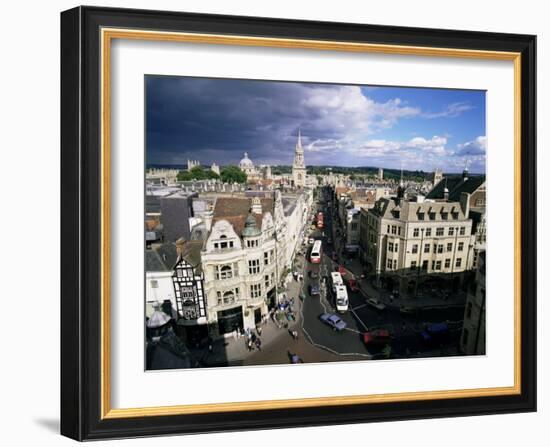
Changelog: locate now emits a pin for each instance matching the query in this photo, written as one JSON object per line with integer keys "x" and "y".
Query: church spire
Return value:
{"x": 299, "y": 143}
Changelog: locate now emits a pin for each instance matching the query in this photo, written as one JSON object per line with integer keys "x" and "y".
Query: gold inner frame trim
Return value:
{"x": 107, "y": 35}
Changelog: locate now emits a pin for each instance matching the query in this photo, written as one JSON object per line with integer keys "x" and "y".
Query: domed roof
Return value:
{"x": 250, "y": 228}
{"x": 246, "y": 162}
{"x": 158, "y": 318}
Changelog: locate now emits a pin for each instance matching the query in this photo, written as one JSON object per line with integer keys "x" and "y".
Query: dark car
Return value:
{"x": 314, "y": 289}
{"x": 313, "y": 274}
{"x": 435, "y": 334}
{"x": 377, "y": 337}
{"x": 334, "y": 321}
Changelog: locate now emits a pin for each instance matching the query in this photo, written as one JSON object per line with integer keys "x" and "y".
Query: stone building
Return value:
{"x": 405, "y": 241}
{"x": 242, "y": 261}
{"x": 472, "y": 339}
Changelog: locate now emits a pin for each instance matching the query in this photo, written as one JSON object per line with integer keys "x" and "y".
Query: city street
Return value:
{"x": 405, "y": 328}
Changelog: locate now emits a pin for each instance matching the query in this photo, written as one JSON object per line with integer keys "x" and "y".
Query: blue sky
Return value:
{"x": 217, "y": 120}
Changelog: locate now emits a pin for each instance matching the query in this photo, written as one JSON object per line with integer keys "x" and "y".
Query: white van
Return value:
{"x": 342, "y": 302}
{"x": 336, "y": 280}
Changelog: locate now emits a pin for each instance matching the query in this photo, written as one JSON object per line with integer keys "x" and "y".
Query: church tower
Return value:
{"x": 299, "y": 167}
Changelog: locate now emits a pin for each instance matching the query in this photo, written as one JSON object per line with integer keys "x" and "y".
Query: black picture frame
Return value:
{"x": 81, "y": 387}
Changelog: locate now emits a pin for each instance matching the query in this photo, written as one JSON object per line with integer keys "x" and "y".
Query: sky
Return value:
{"x": 218, "y": 120}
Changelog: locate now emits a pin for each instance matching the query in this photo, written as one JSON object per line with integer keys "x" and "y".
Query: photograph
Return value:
{"x": 299, "y": 222}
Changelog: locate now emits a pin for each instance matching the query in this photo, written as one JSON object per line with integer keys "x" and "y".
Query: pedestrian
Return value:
{"x": 259, "y": 344}
{"x": 259, "y": 330}
{"x": 250, "y": 346}
{"x": 295, "y": 335}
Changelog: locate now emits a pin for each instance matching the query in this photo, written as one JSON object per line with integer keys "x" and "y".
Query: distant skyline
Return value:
{"x": 217, "y": 120}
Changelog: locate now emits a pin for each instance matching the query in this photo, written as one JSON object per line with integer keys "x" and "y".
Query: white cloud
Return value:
{"x": 451, "y": 111}
{"x": 417, "y": 146}
{"x": 474, "y": 147}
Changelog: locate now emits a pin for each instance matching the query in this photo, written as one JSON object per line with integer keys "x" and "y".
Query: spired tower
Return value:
{"x": 299, "y": 167}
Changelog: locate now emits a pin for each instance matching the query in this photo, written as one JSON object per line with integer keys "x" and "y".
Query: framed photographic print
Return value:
{"x": 274, "y": 223}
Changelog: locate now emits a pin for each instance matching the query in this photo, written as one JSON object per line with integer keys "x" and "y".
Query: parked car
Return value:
{"x": 314, "y": 289}
{"x": 376, "y": 304}
{"x": 377, "y": 337}
{"x": 313, "y": 274}
{"x": 435, "y": 333}
{"x": 334, "y": 321}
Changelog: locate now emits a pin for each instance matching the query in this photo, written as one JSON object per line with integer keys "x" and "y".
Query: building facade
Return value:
{"x": 472, "y": 339}
{"x": 405, "y": 240}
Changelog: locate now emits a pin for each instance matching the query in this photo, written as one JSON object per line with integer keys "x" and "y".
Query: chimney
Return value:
{"x": 465, "y": 203}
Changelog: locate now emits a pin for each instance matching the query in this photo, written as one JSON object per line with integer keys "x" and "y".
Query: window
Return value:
{"x": 268, "y": 257}
{"x": 425, "y": 265}
{"x": 252, "y": 243}
{"x": 354, "y": 226}
{"x": 458, "y": 262}
{"x": 460, "y": 246}
{"x": 413, "y": 264}
{"x": 426, "y": 248}
{"x": 455, "y": 215}
{"x": 266, "y": 281}
{"x": 154, "y": 284}
{"x": 462, "y": 231}
{"x": 389, "y": 264}
{"x": 396, "y": 247}
{"x": 447, "y": 263}
{"x": 438, "y": 265}
{"x": 432, "y": 216}
{"x": 255, "y": 290}
{"x": 228, "y": 298}
{"x": 224, "y": 272}
{"x": 428, "y": 232}
{"x": 399, "y": 231}
{"x": 479, "y": 202}
{"x": 439, "y": 231}
{"x": 420, "y": 216}
{"x": 254, "y": 266}
{"x": 388, "y": 229}
{"x": 415, "y": 232}
{"x": 415, "y": 248}
{"x": 390, "y": 246}
{"x": 451, "y": 231}
{"x": 393, "y": 229}
{"x": 395, "y": 264}
{"x": 450, "y": 246}
{"x": 445, "y": 216}
{"x": 440, "y": 248}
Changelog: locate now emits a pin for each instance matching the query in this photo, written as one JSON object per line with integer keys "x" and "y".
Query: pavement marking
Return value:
{"x": 359, "y": 307}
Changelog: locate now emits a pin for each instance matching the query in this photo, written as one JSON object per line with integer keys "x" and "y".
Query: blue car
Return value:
{"x": 334, "y": 321}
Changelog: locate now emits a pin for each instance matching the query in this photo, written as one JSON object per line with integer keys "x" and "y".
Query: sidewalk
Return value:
{"x": 233, "y": 350}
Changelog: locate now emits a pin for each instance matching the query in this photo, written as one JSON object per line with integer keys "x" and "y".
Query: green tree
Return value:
{"x": 197, "y": 173}
{"x": 233, "y": 174}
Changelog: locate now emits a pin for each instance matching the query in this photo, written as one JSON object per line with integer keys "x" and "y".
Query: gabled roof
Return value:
{"x": 161, "y": 259}
{"x": 192, "y": 254}
{"x": 235, "y": 210}
{"x": 456, "y": 185}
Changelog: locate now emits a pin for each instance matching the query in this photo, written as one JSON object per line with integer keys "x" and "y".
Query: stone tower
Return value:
{"x": 299, "y": 167}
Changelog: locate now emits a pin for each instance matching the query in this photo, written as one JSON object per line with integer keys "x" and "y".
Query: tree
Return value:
{"x": 233, "y": 174}
{"x": 197, "y": 173}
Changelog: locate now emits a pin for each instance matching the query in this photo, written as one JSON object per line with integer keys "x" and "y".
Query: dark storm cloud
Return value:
{"x": 218, "y": 120}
